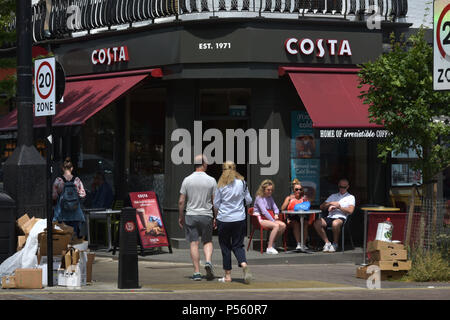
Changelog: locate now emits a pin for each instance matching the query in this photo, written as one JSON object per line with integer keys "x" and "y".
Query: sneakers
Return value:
{"x": 328, "y": 247}
{"x": 271, "y": 251}
{"x": 247, "y": 275}
{"x": 333, "y": 247}
{"x": 197, "y": 276}
{"x": 300, "y": 247}
{"x": 209, "y": 271}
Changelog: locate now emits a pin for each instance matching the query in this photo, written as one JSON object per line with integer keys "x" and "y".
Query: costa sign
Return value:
{"x": 307, "y": 47}
{"x": 110, "y": 55}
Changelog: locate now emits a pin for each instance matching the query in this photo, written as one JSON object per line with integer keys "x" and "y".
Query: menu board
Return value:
{"x": 151, "y": 228}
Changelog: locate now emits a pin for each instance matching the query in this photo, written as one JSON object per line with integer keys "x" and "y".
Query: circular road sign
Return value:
{"x": 45, "y": 80}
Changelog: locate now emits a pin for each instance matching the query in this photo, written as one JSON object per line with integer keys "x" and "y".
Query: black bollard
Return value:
{"x": 128, "y": 258}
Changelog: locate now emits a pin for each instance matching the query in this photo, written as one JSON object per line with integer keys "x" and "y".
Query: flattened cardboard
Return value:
{"x": 361, "y": 273}
{"x": 26, "y": 228}
{"x": 21, "y": 240}
{"x": 22, "y": 221}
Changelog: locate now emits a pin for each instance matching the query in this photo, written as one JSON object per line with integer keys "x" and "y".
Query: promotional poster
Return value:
{"x": 151, "y": 228}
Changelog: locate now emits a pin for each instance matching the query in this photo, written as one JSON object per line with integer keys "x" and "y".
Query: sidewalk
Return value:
{"x": 164, "y": 272}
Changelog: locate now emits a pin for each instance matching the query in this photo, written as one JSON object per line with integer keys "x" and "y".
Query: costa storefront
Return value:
{"x": 140, "y": 103}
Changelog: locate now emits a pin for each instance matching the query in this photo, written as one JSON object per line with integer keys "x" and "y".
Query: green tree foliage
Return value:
{"x": 7, "y": 39}
{"x": 401, "y": 97}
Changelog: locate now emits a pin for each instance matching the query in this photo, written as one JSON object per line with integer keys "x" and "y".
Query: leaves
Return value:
{"x": 401, "y": 97}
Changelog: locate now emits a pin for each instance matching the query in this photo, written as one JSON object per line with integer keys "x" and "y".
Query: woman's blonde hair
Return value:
{"x": 295, "y": 182}
{"x": 229, "y": 173}
{"x": 263, "y": 186}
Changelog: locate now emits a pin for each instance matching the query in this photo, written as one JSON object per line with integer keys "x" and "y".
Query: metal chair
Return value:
{"x": 345, "y": 228}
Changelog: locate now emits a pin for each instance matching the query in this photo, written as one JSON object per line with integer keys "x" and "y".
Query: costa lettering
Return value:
{"x": 307, "y": 47}
{"x": 110, "y": 55}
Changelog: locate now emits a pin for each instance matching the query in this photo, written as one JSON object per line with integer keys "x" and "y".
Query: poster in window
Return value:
{"x": 151, "y": 228}
{"x": 403, "y": 175}
{"x": 303, "y": 143}
{"x": 308, "y": 172}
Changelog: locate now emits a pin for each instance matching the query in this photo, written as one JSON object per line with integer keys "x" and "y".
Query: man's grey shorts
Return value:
{"x": 197, "y": 226}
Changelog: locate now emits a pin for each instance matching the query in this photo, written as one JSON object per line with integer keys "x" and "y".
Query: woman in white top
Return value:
{"x": 229, "y": 200}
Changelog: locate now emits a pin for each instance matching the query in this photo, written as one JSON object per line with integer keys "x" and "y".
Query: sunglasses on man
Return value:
{"x": 298, "y": 189}
{"x": 342, "y": 187}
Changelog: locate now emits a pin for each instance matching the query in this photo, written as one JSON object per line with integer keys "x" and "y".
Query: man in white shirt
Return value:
{"x": 197, "y": 193}
{"x": 339, "y": 206}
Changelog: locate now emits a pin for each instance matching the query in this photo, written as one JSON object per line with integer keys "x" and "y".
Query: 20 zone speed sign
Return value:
{"x": 441, "y": 45}
{"x": 44, "y": 87}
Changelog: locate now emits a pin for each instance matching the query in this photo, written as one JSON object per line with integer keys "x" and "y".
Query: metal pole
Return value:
{"x": 49, "y": 148}
{"x": 24, "y": 74}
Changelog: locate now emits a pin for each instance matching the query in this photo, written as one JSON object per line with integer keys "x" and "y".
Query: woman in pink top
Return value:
{"x": 263, "y": 203}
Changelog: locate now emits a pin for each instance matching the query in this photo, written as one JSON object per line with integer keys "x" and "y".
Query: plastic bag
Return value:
{"x": 302, "y": 206}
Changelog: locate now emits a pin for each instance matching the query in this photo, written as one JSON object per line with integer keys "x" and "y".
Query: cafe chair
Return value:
{"x": 257, "y": 226}
{"x": 344, "y": 229}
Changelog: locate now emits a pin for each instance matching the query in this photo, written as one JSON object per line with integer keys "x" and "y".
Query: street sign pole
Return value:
{"x": 441, "y": 45}
{"x": 45, "y": 105}
{"x": 49, "y": 154}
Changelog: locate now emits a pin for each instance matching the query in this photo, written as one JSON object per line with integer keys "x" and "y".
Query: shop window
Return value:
{"x": 147, "y": 128}
{"x": 344, "y": 159}
{"x": 225, "y": 102}
{"x": 402, "y": 173}
{"x": 96, "y": 148}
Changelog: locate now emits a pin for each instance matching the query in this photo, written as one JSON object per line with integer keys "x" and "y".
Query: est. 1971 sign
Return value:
{"x": 441, "y": 45}
{"x": 44, "y": 87}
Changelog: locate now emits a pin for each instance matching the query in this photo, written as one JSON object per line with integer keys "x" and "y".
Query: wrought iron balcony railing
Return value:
{"x": 64, "y": 18}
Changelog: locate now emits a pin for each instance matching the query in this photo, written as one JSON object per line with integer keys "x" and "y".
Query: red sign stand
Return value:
{"x": 150, "y": 223}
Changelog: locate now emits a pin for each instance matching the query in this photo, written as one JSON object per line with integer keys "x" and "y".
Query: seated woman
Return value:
{"x": 293, "y": 221}
{"x": 263, "y": 203}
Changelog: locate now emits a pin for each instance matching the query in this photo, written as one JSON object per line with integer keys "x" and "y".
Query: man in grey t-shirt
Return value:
{"x": 197, "y": 194}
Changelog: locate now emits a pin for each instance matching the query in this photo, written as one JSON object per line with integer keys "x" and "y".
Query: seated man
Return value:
{"x": 339, "y": 206}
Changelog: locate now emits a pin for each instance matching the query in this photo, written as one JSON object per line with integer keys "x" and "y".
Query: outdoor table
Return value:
{"x": 100, "y": 214}
{"x": 302, "y": 214}
{"x": 367, "y": 209}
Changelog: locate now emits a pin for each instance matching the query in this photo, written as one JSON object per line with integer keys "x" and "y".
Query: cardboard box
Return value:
{"x": 361, "y": 273}
{"x": 8, "y": 282}
{"x": 388, "y": 255}
{"x": 90, "y": 261}
{"x": 393, "y": 265}
{"x": 60, "y": 242}
{"x": 21, "y": 240}
{"x": 26, "y": 228}
{"x": 22, "y": 221}
{"x": 28, "y": 278}
{"x": 378, "y": 245}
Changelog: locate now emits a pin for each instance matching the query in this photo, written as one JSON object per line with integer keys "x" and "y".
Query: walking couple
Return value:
{"x": 215, "y": 205}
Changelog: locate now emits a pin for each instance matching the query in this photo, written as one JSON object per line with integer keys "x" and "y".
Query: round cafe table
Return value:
{"x": 302, "y": 214}
{"x": 366, "y": 210}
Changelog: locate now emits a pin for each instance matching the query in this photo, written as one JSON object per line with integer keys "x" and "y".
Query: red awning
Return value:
{"x": 330, "y": 96}
{"x": 84, "y": 96}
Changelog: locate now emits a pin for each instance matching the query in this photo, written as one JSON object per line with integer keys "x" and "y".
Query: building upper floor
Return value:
{"x": 62, "y": 19}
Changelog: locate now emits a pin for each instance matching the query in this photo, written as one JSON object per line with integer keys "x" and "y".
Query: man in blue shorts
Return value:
{"x": 197, "y": 194}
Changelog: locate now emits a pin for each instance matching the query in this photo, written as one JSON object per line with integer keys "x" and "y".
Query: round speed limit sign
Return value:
{"x": 441, "y": 45}
{"x": 44, "y": 87}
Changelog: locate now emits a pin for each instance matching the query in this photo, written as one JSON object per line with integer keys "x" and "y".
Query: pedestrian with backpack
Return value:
{"x": 67, "y": 191}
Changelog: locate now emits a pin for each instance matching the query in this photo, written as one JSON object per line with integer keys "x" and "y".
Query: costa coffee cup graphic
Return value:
{"x": 309, "y": 188}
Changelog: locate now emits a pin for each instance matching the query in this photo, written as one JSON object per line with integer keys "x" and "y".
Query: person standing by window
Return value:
{"x": 67, "y": 191}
